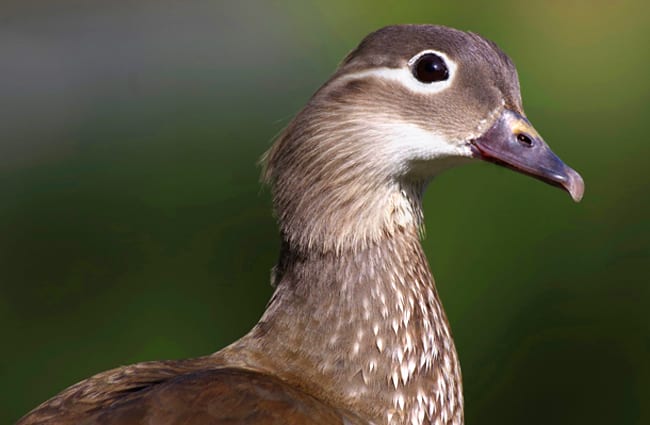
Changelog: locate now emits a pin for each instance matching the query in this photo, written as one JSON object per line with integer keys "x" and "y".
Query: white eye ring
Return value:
{"x": 450, "y": 64}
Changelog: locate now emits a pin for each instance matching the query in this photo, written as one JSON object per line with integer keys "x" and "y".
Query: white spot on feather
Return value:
{"x": 380, "y": 344}
{"x": 394, "y": 379}
{"x": 405, "y": 373}
{"x": 399, "y": 401}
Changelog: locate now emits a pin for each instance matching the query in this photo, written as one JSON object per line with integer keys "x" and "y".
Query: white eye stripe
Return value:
{"x": 404, "y": 75}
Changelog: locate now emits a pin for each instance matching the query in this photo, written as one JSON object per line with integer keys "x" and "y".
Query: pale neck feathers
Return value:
{"x": 363, "y": 330}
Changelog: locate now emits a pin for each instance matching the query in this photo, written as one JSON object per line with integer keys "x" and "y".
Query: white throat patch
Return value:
{"x": 403, "y": 145}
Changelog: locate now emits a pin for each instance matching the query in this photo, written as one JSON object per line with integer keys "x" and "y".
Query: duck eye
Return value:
{"x": 430, "y": 68}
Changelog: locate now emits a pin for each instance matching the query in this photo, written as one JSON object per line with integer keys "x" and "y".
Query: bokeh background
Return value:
{"x": 133, "y": 226}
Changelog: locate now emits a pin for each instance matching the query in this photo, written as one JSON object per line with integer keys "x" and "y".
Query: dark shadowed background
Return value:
{"x": 133, "y": 226}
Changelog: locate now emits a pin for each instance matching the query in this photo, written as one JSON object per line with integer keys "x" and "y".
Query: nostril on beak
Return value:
{"x": 525, "y": 140}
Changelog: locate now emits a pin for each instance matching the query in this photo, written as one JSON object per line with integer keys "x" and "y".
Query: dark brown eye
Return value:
{"x": 430, "y": 68}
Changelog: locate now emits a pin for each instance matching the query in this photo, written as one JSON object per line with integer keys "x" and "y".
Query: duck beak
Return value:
{"x": 513, "y": 143}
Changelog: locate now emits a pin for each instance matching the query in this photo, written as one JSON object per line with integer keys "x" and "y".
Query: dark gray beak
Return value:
{"x": 514, "y": 143}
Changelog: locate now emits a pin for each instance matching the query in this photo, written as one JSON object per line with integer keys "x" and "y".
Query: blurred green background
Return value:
{"x": 133, "y": 226}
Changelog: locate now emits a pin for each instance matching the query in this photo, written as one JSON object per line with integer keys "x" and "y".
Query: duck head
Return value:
{"x": 407, "y": 103}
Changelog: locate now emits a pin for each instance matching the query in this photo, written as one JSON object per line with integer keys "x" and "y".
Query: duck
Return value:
{"x": 355, "y": 332}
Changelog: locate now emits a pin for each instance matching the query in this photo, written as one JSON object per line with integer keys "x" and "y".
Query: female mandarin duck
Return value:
{"x": 355, "y": 332}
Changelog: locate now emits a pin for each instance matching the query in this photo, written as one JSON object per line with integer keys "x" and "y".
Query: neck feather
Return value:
{"x": 364, "y": 329}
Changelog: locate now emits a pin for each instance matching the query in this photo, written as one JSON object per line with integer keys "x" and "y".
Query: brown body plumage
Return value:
{"x": 355, "y": 332}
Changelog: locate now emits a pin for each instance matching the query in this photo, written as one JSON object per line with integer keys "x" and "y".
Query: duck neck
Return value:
{"x": 364, "y": 328}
